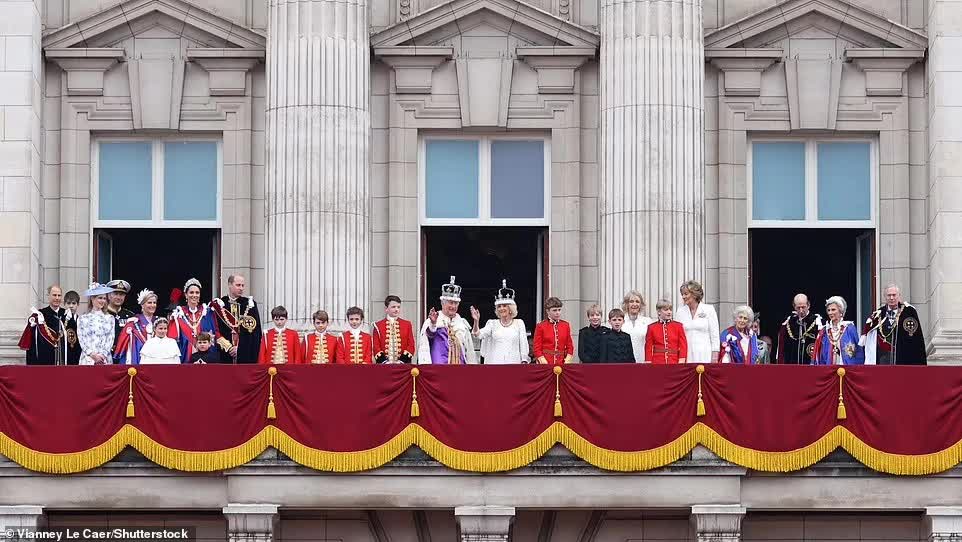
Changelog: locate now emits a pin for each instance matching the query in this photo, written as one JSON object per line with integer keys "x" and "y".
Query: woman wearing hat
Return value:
{"x": 190, "y": 320}
{"x": 503, "y": 340}
{"x": 95, "y": 328}
{"x": 138, "y": 330}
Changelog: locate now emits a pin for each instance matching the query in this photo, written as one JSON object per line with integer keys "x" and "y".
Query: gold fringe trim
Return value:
{"x": 413, "y": 434}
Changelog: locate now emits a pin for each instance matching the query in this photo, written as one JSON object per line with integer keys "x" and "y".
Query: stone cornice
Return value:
{"x": 743, "y": 68}
{"x": 556, "y": 66}
{"x": 85, "y": 67}
{"x": 884, "y": 68}
{"x": 227, "y": 68}
{"x": 413, "y": 66}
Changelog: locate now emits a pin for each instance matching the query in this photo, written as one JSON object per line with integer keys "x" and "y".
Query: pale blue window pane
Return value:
{"x": 844, "y": 181}
{"x": 778, "y": 181}
{"x": 451, "y": 179}
{"x": 125, "y": 181}
{"x": 517, "y": 179}
{"x": 190, "y": 180}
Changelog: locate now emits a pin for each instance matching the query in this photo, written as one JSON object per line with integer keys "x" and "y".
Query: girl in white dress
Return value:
{"x": 160, "y": 349}
{"x": 504, "y": 340}
{"x": 636, "y": 323}
{"x": 95, "y": 328}
{"x": 701, "y": 324}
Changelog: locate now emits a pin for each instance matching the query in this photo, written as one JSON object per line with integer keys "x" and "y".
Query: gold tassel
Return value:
{"x": 840, "y": 414}
{"x": 131, "y": 372}
{"x": 271, "y": 411}
{"x": 557, "y": 391}
{"x": 415, "y": 408}
{"x": 700, "y": 410}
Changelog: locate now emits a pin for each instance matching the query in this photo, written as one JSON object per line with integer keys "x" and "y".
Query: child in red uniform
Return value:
{"x": 280, "y": 345}
{"x": 393, "y": 335}
{"x": 665, "y": 342}
{"x": 319, "y": 345}
{"x": 357, "y": 346}
{"x": 552, "y": 336}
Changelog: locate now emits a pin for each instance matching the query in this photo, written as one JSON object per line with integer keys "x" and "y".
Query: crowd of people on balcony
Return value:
{"x": 229, "y": 330}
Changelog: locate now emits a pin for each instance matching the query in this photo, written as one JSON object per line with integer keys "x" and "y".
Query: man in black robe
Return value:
{"x": 44, "y": 337}
{"x": 797, "y": 334}
{"x": 893, "y": 333}
{"x": 238, "y": 322}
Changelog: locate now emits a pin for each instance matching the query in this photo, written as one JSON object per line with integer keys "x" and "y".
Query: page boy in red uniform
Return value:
{"x": 357, "y": 346}
{"x": 320, "y": 346}
{"x": 552, "y": 336}
{"x": 393, "y": 335}
{"x": 665, "y": 342}
{"x": 280, "y": 345}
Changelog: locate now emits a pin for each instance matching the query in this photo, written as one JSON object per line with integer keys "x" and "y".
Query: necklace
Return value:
{"x": 835, "y": 337}
{"x": 806, "y": 333}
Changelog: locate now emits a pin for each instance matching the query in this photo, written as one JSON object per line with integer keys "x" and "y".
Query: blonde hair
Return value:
{"x": 594, "y": 309}
{"x": 663, "y": 304}
{"x": 630, "y": 294}
{"x": 694, "y": 288}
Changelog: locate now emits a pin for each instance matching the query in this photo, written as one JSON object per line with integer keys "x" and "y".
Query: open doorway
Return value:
{"x": 817, "y": 262}
{"x": 159, "y": 259}
{"x": 479, "y": 257}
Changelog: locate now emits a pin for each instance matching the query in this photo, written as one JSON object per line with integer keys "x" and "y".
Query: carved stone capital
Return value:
{"x": 555, "y": 66}
{"x": 742, "y": 68}
{"x": 413, "y": 66}
{"x": 718, "y": 522}
{"x": 227, "y": 68}
{"x": 250, "y": 522}
{"x": 884, "y": 68}
{"x": 484, "y": 523}
{"x": 85, "y": 68}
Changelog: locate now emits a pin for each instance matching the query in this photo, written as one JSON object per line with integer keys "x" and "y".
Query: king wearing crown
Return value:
{"x": 445, "y": 337}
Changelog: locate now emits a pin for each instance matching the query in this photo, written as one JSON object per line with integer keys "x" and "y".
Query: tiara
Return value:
{"x": 192, "y": 282}
{"x": 505, "y": 295}
{"x": 451, "y": 291}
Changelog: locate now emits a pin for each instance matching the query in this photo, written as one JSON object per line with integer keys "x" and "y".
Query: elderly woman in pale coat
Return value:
{"x": 701, "y": 324}
{"x": 636, "y": 322}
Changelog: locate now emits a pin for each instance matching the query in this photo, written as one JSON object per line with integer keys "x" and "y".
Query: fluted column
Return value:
{"x": 652, "y": 107}
{"x": 318, "y": 133}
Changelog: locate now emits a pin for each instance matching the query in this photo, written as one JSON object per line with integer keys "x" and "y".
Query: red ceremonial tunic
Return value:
{"x": 553, "y": 342}
{"x": 288, "y": 352}
{"x": 312, "y": 353}
{"x": 354, "y": 352}
{"x": 393, "y": 341}
{"x": 665, "y": 343}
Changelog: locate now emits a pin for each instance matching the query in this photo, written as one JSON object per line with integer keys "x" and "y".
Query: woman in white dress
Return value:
{"x": 504, "y": 340}
{"x": 636, "y": 324}
{"x": 160, "y": 349}
{"x": 701, "y": 324}
{"x": 95, "y": 328}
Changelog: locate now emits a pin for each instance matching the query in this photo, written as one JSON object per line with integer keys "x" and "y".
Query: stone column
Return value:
{"x": 943, "y": 524}
{"x": 21, "y": 108}
{"x": 318, "y": 237}
{"x": 19, "y": 517}
{"x": 945, "y": 180}
{"x": 652, "y": 143}
{"x": 484, "y": 523}
{"x": 718, "y": 523}
{"x": 250, "y": 522}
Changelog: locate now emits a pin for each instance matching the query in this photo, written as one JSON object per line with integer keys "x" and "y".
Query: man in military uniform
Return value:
{"x": 797, "y": 334}
{"x": 893, "y": 333}
{"x": 239, "y": 322}
{"x": 115, "y": 308}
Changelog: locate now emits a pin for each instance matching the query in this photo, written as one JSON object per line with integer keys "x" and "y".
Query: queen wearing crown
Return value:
{"x": 504, "y": 340}
{"x": 445, "y": 337}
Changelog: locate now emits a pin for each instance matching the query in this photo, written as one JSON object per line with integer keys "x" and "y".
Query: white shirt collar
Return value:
{"x": 355, "y": 331}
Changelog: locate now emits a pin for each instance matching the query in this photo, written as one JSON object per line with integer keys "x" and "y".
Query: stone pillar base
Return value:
{"x": 28, "y": 517}
{"x": 250, "y": 522}
{"x": 943, "y": 524}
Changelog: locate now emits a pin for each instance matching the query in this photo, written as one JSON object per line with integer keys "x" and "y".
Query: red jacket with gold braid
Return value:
{"x": 313, "y": 352}
{"x": 553, "y": 342}
{"x": 356, "y": 352}
{"x": 400, "y": 332}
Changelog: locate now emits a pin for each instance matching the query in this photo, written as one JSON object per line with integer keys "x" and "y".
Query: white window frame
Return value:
{"x": 811, "y": 184}
{"x": 484, "y": 180}
{"x": 157, "y": 219}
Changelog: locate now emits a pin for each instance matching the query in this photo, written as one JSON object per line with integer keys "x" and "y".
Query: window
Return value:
{"x": 812, "y": 182}
{"x": 161, "y": 182}
{"x": 498, "y": 180}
